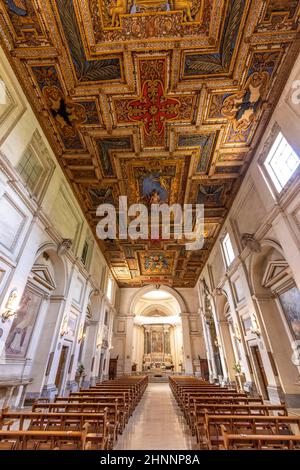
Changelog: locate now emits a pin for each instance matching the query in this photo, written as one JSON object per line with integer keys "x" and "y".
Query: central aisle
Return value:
{"x": 157, "y": 423}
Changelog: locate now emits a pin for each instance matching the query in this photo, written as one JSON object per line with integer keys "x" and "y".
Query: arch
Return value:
{"x": 37, "y": 335}
{"x": 221, "y": 301}
{"x": 162, "y": 308}
{"x": 144, "y": 290}
{"x": 59, "y": 266}
{"x": 256, "y": 260}
{"x": 269, "y": 276}
{"x": 173, "y": 305}
{"x": 95, "y": 299}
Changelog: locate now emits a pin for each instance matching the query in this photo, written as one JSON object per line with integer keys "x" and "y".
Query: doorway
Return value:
{"x": 61, "y": 368}
{"x": 101, "y": 366}
{"x": 204, "y": 370}
{"x": 260, "y": 371}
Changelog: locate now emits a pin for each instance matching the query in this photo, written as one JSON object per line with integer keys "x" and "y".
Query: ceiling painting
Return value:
{"x": 158, "y": 100}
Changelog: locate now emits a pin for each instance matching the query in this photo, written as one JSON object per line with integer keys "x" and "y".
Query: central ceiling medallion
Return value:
{"x": 154, "y": 108}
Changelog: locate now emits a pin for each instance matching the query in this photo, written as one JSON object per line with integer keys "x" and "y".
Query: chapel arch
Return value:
{"x": 226, "y": 327}
{"x": 278, "y": 318}
{"x": 171, "y": 336}
{"x": 34, "y": 329}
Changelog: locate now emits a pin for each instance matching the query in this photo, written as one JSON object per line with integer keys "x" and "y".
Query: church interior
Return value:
{"x": 119, "y": 343}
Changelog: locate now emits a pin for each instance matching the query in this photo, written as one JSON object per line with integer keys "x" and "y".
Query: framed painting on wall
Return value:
{"x": 72, "y": 323}
{"x": 290, "y": 303}
{"x": 20, "y": 333}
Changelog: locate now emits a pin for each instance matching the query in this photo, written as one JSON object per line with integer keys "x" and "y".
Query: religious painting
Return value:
{"x": 156, "y": 263}
{"x": 155, "y": 179}
{"x": 72, "y": 322}
{"x": 167, "y": 343}
{"x": 290, "y": 303}
{"x": 112, "y": 12}
{"x": 19, "y": 336}
{"x": 155, "y": 188}
{"x": 157, "y": 341}
{"x": 241, "y": 107}
{"x": 121, "y": 14}
{"x": 67, "y": 115}
{"x": 210, "y": 194}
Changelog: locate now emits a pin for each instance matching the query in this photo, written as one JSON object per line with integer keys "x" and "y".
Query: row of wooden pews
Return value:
{"x": 222, "y": 418}
{"x": 90, "y": 419}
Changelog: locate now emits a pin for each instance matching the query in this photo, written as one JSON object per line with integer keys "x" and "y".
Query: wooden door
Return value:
{"x": 260, "y": 371}
{"x": 61, "y": 368}
{"x": 204, "y": 369}
{"x": 112, "y": 368}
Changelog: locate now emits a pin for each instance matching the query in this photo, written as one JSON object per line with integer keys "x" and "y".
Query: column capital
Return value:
{"x": 185, "y": 314}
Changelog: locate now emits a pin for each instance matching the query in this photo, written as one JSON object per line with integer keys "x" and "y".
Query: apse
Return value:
{"x": 157, "y": 335}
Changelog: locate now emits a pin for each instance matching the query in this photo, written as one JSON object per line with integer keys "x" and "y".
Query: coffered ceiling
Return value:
{"x": 159, "y": 100}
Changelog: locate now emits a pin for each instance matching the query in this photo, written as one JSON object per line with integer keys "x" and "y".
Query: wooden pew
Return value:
{"x": 200, "y": 410}
{"x": 189, "y": 397}
{"x": 89, "y": 419}
{"x": 259, "y": 442}
{"x": 124, "y": 408}
{"x": 117, "y": 412}
{"x": 43, "y": 440}
{"x": 123, "y": 396}
{"x": 63, "y": 421}
{"x": 250, "y": 424}
{"x": 216, "y": 400}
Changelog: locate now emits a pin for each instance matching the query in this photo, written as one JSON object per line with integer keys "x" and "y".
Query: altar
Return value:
{"x": 159, "y": 375}
{"x": 157, "y": 349}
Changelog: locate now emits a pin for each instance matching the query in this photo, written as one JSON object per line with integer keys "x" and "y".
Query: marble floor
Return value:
{"x": 157, "y": 423}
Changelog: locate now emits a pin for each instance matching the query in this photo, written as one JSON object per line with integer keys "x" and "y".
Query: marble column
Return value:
{"x": 243, "y": 346}
{"x": 219, "y": 344}
{"x": 187, "y": 350}
{"x": 128, "y": 344}
{"x": 89, "y": 351}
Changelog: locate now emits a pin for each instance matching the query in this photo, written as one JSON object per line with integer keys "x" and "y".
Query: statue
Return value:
{"x": 249, "y": 241}
{"x": 64, "y": 246}
{"x": 219, "y": 291}
{"x": 12, "y": 299}
{"x": 94, "y": 292}
{"x": 115, "y": 11}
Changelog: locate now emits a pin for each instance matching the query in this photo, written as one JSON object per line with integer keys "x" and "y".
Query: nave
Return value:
{"x": 157, "y": 423}
{"x": 149, "y": 225}
{"x": 130, "y": 414}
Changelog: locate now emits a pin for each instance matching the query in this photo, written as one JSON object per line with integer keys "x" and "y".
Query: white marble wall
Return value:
{"x": 256, "y": 317}
{"x": 33, "y": 226}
